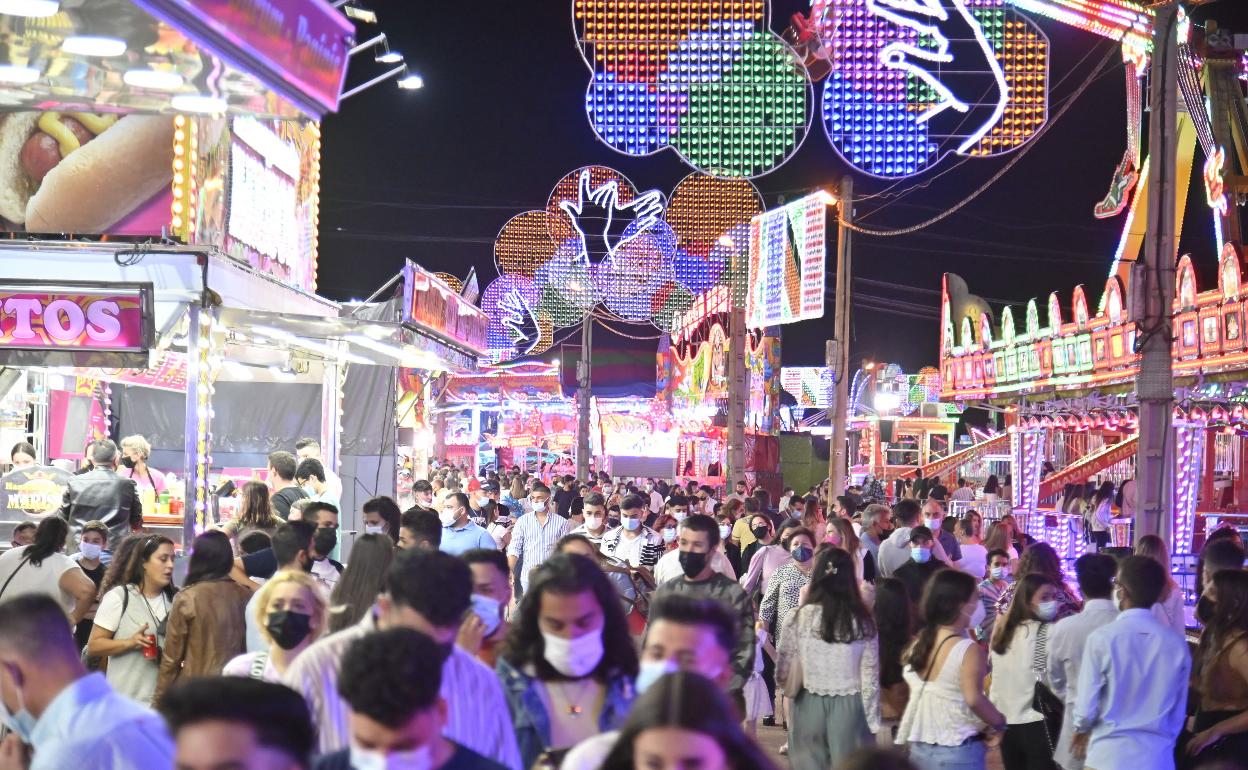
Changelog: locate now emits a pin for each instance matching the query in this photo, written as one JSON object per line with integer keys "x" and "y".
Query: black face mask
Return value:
{"x": 325, "y": 541}
{"x": 129, "y": 463}
{"x": 692, "y": 563}
{"x": 288, "y": 628}
{"x": 760, "y": 532}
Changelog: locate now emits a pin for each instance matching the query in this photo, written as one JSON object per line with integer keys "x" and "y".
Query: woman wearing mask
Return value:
{"x": 840, "y": 533}
{"x": 832, "y": 637}
{"x": 783, "y": 594}
{"x": 1221, "y": 721}
{"x": 685, "y": 721}
{"x": 290, "y": 611}
{"x": 1169, "y": 609}
{"x": 130, "y": 622}
{"x": 1019, "y": 648}
{"x": 947, "y": 714}
{"x": 134, "y": 453}
{"x": 255, "y": 515}
{"x": 207, "y": 624}
{"x": 569, "y": 665}
{"x": 361, "y": 581}
{"x": 1041, "y": 559}
{"x": 666, "y": 525}
{"x": 381, "y": 516}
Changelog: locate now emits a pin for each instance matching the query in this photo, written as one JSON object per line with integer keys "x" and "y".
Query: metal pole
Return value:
{"x": 1152, "y": 291}
{"x": 738, "y": 389}
{"x": 838, "y": 351}
{"x": 582, "y": 399}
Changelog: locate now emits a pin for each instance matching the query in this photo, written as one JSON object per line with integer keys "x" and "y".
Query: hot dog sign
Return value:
{"x": 95, "y": 318}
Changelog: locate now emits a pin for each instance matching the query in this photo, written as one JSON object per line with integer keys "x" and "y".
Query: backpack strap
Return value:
{"x": 259, "y": 664}
{"x": 1040, "y": 657}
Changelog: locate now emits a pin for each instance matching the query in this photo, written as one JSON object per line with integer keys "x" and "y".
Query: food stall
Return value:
{"x": 162, "y": 189}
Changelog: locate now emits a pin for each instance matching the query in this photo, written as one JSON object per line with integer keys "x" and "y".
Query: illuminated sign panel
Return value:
{"x": 810, "y": 385}
{"x": 433, "y": 307}
{"x": 76, "y": 319}
{"x": 788, "y": 248}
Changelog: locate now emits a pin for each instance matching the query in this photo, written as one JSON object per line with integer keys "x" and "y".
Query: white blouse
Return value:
{"x": 1013, "y": 679}
{"x": 831, "y": 668}
{"x": 937, "y": 713}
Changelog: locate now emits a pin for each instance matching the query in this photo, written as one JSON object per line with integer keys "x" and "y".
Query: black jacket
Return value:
{"x": 100, "y": 494}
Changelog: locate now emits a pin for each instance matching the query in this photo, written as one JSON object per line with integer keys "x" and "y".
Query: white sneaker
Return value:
{"x": 784, "y": 749}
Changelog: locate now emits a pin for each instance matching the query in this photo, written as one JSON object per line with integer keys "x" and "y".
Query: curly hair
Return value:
{"x": 567, "y": 574}
{"x": 389, "y": 676}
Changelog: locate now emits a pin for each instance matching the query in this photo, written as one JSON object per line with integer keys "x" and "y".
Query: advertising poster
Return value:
{"x": 32, "y": 493}
{"x": 788, "y": 248}
{"x": 86, "y": 173}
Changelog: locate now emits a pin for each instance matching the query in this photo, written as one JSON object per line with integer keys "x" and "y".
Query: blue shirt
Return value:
{"x": 456, "y": 541}
{"x": 1132, "y": 693}
{"x": 89, "y": 726}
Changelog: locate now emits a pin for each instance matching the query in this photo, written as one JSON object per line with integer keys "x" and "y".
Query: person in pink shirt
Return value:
{"x": 134, "y": 453}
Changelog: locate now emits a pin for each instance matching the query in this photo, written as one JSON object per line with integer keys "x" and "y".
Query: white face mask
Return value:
{"x": 449, "y": 517}
{"x": 21, "y": 723}
{"x": 90, "y": 551}
{"x": 724, "y": 531}
{"x": 593, "y": 523}
{"x": 373, "y": 529}
{"x": 574, "y": 657}
{"x": 369, "y": 759}
{"x": 538, "y": 506}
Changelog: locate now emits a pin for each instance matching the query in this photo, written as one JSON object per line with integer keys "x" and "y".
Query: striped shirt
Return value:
{"x": 532, "y": 542}
{"x": 477, "y": 714}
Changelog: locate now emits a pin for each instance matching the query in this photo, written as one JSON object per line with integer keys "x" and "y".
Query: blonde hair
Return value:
{"x": 304, "y": 581}
{"x": 138, "y": 444}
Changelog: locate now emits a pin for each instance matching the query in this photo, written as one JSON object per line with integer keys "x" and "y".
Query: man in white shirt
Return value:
{"x": 632, "y": 542}
{"x": 535, "y": 533}
{"x": 965, "y": 491}
{"x": 974, "y": 561}
{"x": 310, "y": 449}
{"x": 1132, "y": 691}
{"x": 593, "y": 519}
{"x": 895, "y": 551}
{"x": 1068, "y": 638}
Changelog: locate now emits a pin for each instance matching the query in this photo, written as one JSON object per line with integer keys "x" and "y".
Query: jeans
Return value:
{"x": 929, "y": 756}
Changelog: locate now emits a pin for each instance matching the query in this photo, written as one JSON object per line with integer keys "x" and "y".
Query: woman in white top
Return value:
{"x": 1100, "y": 514}
{"x": 290, "y": 612}
{"x": 947, "y": 715}
{"x": 129, "y": 630}
{"x": 1026, "y": 743}
{"x": 41, "y": 568}
{"x": 832, "y": 637}
{"x": 1169, "y": 610}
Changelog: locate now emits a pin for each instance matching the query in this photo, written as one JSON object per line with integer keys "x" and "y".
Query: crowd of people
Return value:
{"x": 605, "y": 623}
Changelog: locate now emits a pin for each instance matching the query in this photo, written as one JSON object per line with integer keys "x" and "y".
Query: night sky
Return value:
{"x": 433, "y": 174}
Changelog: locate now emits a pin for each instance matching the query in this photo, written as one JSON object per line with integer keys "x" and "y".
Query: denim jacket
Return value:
{"x": 528, "y": 712}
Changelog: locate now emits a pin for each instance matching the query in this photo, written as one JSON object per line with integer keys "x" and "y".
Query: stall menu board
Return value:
{"x": 788, "y": 248}
{"x": 39, "y": 316}
{"x": 32, "y": 493}
{"x": 435, "y": 308}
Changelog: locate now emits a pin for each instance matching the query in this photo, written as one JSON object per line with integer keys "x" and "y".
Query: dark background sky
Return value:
{"x": 433, "y": 174}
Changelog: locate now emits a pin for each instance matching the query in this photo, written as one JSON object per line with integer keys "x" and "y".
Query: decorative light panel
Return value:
{"x": 706, "y": 78}
{"x": 914, "y": 80}
{"x": 600, "y": 241}
{"x": 788, "y": 249}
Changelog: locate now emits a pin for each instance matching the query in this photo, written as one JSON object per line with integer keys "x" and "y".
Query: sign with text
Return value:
{"x": 76, "y": 318}
{"x": 32, "y": 493}
{"x": 432, "y": 307}
{"x": 788, "y": 248}
{"x": 299, "y": 48}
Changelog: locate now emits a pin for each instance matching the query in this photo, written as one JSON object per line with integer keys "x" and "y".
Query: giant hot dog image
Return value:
{"x": 79, "y": 172}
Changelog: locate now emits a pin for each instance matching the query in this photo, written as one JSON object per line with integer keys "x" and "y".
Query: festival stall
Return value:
{"x": 187, "y": 172}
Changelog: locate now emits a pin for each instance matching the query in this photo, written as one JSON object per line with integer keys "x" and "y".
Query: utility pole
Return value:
{"x": 838, "y": 348}
{"x": 582, "y": 399}
{"x": 1152, "y": 290}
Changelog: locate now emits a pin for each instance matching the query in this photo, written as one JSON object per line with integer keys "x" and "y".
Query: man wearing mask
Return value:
{"x": 283, "y": 491}
{"x": 698, "y": 636}
{"x": 595, "y": 519}
{"x": 485, "y": 629}
{"x": 933, "y": 517}
{"x": 916, "y": 572}
{"x": 699, "y": 538}
{"x": 991, "y": 589}
{"x": 534, "y": 536}
{"x": 310, "y": 449}
{"x": 102, "y": 495}
{"x": 460, "y": 534}
{"x": 325, "y": 566}
{"x": 895, "y": 551}
{"x": 1070, "y": 635}
{"x": 655, "y": 499}
{"x": 422, "y": 490}
{"x": 875, "y": 528}
{"x": 391, "y": 681}
{"x": 632, "y": 542}
{"x": 68, "y": 717}
{"x": 740, "y": 493}
{"x": 428, "y": 591}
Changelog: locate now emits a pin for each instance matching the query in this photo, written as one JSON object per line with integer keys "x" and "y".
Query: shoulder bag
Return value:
{"x": 1043, "y": 700}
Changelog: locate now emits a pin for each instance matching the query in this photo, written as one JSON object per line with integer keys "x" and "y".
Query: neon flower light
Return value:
{"x": 707, "y": 79}
{"x": 913, "y": 80}
{"x": 601, "y": 242}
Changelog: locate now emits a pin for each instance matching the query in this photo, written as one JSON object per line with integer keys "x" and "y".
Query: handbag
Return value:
{"x": 1043, "y": 700}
